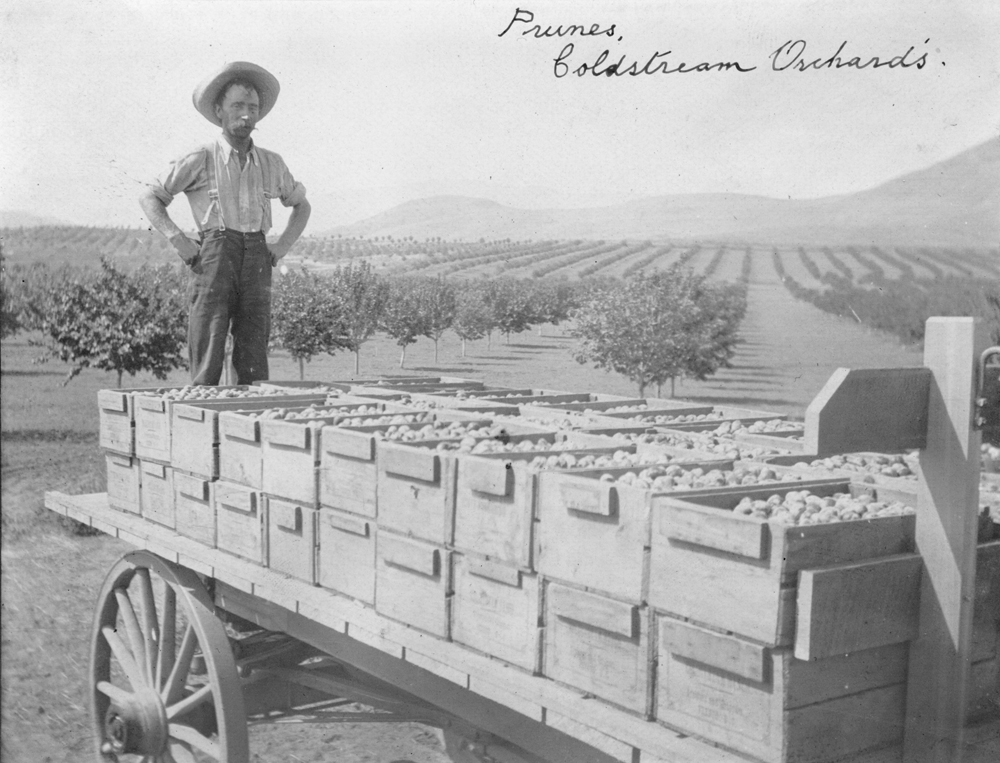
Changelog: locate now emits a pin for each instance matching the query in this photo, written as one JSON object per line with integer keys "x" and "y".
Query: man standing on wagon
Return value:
{"x": 230, "y": 183}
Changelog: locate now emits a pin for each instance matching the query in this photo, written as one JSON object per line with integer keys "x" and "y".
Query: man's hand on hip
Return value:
{"x": 187, "y": 248}
{"x": 277, "y": 253}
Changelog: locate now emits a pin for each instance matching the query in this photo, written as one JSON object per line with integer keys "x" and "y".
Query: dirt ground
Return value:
{"x": 51, "y": 576}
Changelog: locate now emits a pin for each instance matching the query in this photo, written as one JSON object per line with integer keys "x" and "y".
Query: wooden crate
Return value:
{"x": 346, "y": 556}
{"x": 152, "y": 427}
{"x": 496, "y": 610}
{"x": 494, "y": 505}
{"x": 599, "y": 645}
{"x": 763, "y": 702}
{"x": 194, "y": 427}
{"x": 416, "y": 485}
{"x": 289, "y": 457}
{"x": 347, "y": 474}
{"x": 115, "y": 417}
{"x": 291, "y": 538}
{"x": 241, "y": 521}
{"x": 740, "y": 574}
{"x": 413, "y": 582}
{"x": 596, "y": 534}
{"x": 156, "y": 493}
{"x": 347, "y": 471}
{"x": 241, "y": 450}
{"x": 123, "y": 482}
{"x": 416, "y": 490}
{"x": 194, "y": 507}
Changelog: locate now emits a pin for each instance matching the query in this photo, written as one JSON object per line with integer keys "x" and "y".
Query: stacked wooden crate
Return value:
{"x": 782, "y": 643}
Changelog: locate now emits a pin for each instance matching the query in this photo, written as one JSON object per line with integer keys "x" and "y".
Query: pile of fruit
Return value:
{"x": 675, "y": 477}
{"x": 870, "y": 465}
{"x": 760, "y": 427}
{"x": 665, "y": 419}
{"x": 204, "y": 392}
{"x": 460, "y": 431}
{"x": 801, "y": 507}
{"x": 313, "y": 412}
{"x": 702, "y": 443}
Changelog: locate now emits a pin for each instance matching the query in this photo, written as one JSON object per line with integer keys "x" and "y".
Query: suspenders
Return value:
{"x": 215, "y": 168}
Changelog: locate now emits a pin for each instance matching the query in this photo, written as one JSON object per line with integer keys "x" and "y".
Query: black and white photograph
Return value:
{"x": 469, "y": 381}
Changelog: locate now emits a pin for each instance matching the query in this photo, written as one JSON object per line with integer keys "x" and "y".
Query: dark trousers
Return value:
{"x": 230, "y": 287}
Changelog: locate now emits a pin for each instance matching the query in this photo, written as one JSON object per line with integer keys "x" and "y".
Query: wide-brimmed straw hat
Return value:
{"x": 265, "y": 83}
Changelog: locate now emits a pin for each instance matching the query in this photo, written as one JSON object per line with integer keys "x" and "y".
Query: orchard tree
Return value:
{"x": 551, "y": 301}
{"x": 403, "y": 317}
{"x": 510, "y": 302}
{"x": 473, "y": 317}
{"x": 361, "y": 295}
{"x": 304, "y": 320}
{"x": 119, "y": 322}
{"x": 438, "y": 303}
{"x": 660, "y": 327}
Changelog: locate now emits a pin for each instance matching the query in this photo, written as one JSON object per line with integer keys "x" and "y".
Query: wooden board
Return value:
{"x": 194, "y": 507}
{"x": 116, "y": 432}
{"x": 241, "y": 521}
{"x": 598, "y": 645}
{"x": 413, "y": 582}
{"x": 496, "y": 610}
{"x": 846, "y": 608}
{"x": 291, "y": 538}
{"x": 416, "y": 491}
{"x": 123, "y": 475}
{"x": 346, "y": 556}
{"x": 156, "y": 492}
{"x": 877, "y": 409}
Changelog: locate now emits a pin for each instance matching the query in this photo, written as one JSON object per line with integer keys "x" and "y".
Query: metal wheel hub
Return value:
{"x": 137, "y": 728}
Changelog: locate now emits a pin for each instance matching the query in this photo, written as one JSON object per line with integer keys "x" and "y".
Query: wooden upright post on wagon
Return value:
{"x": 932, "y": 409}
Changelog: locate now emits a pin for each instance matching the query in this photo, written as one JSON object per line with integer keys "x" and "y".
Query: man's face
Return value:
{"x": 239, "y": 111}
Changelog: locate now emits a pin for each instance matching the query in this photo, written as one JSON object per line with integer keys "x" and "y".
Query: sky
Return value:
{"x": 381, "y": 101}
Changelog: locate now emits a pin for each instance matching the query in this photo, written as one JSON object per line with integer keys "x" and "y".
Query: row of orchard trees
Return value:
{"x": 314, "y": 313}
{"x": 650, "y": 328}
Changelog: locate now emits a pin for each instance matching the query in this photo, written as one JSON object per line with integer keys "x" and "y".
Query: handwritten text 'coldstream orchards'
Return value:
{"x": 792, "y": 55}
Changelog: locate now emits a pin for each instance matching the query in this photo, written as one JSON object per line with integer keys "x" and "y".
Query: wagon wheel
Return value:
{"x": 164, "y": 686}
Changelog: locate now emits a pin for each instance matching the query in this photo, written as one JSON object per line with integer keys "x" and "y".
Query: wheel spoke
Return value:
{"x": 132, "y": 629}
{"x": 114, "y": 693}
{"x": 125, "y": 659}
{"x": 178, "y": 753}
{"x": 183, "y": 733}
{"x": 168, "y": 643}
{"x": 186, "y": 705}
{"x": 171, "y": 691}
{"x": 150, "y": 632}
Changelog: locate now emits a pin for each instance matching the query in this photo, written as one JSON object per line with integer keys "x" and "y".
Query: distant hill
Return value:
{"x": 953, "y": 202}
{"x": 16, "y": 218}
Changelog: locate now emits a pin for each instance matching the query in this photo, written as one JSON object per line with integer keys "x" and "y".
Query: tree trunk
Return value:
{"x": 642, "y": 388}
{"x": 463, "y": 346}
{"x": 357, "y": 361}
{"x": 302, "y": 369}
{"x": 659, "y": 389}
{"x": 119, "y": 378}
{"x": 402, "y": 356}
{"x": 435, "y": 351}
{"x": 489, "y": 340}
{"x": 672, "y": 388}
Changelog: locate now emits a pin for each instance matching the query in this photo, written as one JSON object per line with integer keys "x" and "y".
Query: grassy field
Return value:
{"x": 49, "y": 435}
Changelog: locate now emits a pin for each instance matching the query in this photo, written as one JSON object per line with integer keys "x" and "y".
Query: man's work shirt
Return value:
{"x": 224, "y": 195}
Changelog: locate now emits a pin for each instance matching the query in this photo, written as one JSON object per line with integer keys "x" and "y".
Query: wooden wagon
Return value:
{"x": 300, "y": 568}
